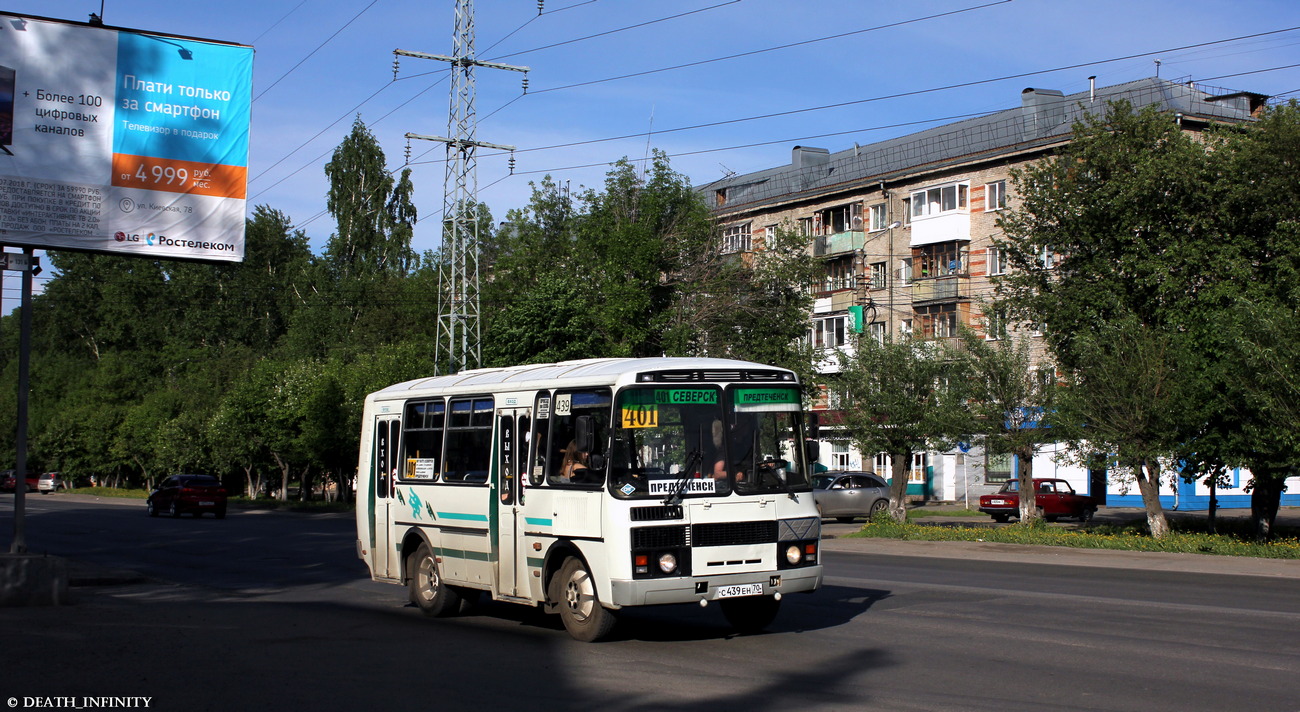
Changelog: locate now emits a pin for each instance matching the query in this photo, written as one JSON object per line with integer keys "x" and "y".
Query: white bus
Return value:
{"x": 590, "y": 486}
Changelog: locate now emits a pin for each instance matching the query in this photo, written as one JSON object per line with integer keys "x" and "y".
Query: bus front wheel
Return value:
{"x": 750, "y": 614}
{"x": 427, "y": 589}
{"x": 579, "y": 604}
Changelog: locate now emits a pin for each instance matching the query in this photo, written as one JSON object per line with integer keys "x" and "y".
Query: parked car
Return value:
{"x": 51, "y": 482}
{"x": 8, "y": 483}
{"x": 848, "y": 495}
{"x": 193, "y": 494}
{"x": 1054, "y": 498}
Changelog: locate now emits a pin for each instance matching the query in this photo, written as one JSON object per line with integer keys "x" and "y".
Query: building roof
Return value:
{"x": 1045, "y": 117}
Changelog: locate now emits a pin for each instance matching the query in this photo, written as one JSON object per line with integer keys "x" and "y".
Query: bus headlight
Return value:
{"x": 793, "y": 554}
{"x": 667, "y": 563}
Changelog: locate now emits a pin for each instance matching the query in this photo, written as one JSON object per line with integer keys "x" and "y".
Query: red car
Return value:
{"x": 1055, "y": 498}
{"x": 9, "y": 483}
{"x": 194, "y": 494}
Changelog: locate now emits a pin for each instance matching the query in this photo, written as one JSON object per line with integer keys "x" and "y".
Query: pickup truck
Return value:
{"x": 1055, "y": 499}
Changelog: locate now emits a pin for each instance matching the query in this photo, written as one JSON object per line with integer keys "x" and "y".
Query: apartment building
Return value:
{"x": 905, "y": 230}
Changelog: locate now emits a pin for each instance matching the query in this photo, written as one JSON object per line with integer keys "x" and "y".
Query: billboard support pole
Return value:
{"x": 19, "y": 544}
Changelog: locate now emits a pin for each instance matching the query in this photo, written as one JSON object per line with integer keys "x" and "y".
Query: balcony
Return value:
{"x": 837, "y": 243}
{"x": 941, "y": 289}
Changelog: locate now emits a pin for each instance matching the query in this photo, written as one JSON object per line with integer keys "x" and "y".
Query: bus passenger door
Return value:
{"x": 512, "y": 428}
{"x": 383, "y": 473}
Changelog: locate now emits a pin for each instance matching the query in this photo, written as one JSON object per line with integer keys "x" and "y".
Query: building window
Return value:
{"x": 839, "y": 275}
{"x": 905, "y": 271}
{"x": 907, "y": 211}
{"x": 942, "y": 259}
{"x": 938, "y": 321}
{"x": 832, "y": 221}
{"x": 905, "y": 327}
{"x": 829, "y": 333}
{"x": 939, "y": 200}
{"x": 877, "y": 331}
{"x": 882, "y": 468}
{"x": 997, "y": 468}
{"x": 997, "y": 262}
{"x": 879, "y": 217}
{"x": 1046, "y": 257}
{"x": 995, "y": 324}
{"x": 917, "y": 472}
{"x": 769, "y": 235}
{"x": 995, "y": 195}
{"x": 879, "y": 275}
{"x": 839, "y": 456}
{"x": 736, "y": 238}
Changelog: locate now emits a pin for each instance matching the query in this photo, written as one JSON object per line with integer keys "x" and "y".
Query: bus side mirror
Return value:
{"x": 814, "y": 426}
{"x": 585, "y": 437}
{"x": 812, "y": 450}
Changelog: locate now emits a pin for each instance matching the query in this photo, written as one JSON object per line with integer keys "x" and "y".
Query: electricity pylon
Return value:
{"x": 458, "y": 342}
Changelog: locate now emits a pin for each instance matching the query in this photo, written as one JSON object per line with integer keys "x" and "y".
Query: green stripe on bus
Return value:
{"x": 463, "y": 517}
{"x": 463, "y": 554}
{"x": 539, "y": 521}
{"x": 535, "y": 563}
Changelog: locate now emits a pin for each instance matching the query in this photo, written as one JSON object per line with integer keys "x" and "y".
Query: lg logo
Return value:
{"x": 135, "y": 237}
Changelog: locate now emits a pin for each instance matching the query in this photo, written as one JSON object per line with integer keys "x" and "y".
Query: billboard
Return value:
{"x": 122, "y": 141}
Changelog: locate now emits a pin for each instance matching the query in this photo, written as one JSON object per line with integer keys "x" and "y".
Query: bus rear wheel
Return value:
{"x": 579, "y": 604}
{"x": 428, "y": 592}
{"x": 751, "y": 614}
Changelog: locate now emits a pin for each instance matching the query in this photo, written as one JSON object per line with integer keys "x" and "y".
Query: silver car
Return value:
{"x": 848, "y": 495}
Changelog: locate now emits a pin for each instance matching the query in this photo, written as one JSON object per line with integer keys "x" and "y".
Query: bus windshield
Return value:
{"x": 693, "y": 442}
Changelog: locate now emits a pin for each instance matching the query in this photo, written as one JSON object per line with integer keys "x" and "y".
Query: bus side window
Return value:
{"x": 422, "y": 444}
{"x": 565, "y": 467}
{"x": 468, "y": 441}
{"x": 537, "y": 446}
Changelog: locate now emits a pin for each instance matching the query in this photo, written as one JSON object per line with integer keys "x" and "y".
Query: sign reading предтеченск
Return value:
{"x": 123, "y": 142}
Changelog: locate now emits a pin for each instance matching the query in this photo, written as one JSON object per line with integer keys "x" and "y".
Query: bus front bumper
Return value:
{"x": 692, "y": 589}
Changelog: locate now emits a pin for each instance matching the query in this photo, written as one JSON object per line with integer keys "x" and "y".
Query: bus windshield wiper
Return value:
{"x": 692, "y": 460}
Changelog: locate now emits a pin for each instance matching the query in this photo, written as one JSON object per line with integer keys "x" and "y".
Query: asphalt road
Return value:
{"x": 273, "y": 611}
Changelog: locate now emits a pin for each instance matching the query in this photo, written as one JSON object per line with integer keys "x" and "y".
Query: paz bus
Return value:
{"x": 590, "y": 486}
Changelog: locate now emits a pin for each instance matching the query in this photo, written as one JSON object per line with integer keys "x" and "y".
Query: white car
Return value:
{"x": 50, "y": 482}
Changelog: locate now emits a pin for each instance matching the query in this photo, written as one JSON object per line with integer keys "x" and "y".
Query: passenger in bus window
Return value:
{"x": 573, "y": 468}
{"x": 719, "y": 459}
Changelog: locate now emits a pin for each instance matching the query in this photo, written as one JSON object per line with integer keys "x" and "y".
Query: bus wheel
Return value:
{"x": 580, "y": 608}
{"x": 750, "y": 614}
{"x": 434, "y": 597}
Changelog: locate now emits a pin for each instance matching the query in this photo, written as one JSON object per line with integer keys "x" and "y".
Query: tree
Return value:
{"x": 1014, "y": 399}
{"x": 637, "y": 269}
{"x": 1258, "y": 337}
{"x": 900, "y": 397}
{"x": 1129, "y": 394}
{"x": 375, "y": 216}
{"x": 1108, "y": 246}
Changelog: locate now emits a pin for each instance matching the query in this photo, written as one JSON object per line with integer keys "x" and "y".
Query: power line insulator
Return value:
{"x": 525, "y": 83}
{"x": 512, "y": 163}
{"x": 408, "y": 150}
{"x": 539, "y": 6}
{"x": 396, "y": 64}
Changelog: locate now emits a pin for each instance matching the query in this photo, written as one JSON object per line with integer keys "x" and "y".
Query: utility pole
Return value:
{"x": 459, "y": 333}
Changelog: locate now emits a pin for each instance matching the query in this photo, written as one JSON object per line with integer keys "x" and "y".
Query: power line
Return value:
{"x": 900, "y": 95}
{"x": 314, "y": 51}
{"x": 277, "y": 22}
{"x": 615, "y": 31}
{"x": 772, "y": 49}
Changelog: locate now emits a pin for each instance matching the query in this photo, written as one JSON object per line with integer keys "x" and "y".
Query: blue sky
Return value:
{"x": 320, "y": 63}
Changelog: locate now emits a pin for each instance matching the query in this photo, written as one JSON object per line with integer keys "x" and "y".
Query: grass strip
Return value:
{"x": 1099, "y": 537}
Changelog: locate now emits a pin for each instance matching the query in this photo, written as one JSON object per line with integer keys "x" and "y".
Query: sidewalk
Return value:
{"x": 1288, "y": 517}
